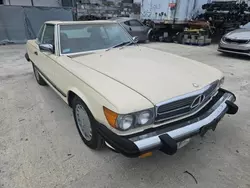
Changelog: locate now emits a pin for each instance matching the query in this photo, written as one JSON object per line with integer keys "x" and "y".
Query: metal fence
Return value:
{"x": 20, "y": 23}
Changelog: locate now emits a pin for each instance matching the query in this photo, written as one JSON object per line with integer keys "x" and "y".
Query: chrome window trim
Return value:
{"x": 59, "y": 41}
{"x": 82, "y": 53}
{"x": 56, "y": 41}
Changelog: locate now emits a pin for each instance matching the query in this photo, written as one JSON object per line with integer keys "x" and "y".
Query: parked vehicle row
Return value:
{"x": 131, "y": 97}
{"x": 236, "y": 41}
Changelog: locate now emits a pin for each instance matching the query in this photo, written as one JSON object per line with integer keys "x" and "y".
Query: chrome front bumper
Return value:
{"x": 209, "y": 120}
{"x": 166, "y": 137}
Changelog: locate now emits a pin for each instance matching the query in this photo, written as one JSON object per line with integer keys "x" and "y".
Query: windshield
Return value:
{"x": 247, "y": 26}
{"x": 88, "y": 37}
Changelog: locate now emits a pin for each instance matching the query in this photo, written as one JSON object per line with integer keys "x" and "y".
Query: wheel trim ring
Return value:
{"x": 83, "y": 122}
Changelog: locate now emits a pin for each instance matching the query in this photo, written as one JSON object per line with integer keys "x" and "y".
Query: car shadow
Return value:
{"x": 235, "y": 56}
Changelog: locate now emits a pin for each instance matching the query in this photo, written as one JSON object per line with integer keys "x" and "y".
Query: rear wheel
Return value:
{"x": 85, "y": 124}
{"x": 38, "y": 77}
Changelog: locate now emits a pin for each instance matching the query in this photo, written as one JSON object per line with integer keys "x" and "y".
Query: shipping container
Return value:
{"x": 169, "y": 11}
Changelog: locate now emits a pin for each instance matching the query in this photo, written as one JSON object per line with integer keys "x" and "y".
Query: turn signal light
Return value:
{"x": 148, "y": 154}
{"x": 110, "y": 116}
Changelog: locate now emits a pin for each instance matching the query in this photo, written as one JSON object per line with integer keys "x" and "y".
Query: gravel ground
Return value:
{"x": 40, "y": 146}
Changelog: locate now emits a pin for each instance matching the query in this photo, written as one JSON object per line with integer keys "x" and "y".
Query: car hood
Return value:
{"x": 243, "y": 34}
{"x": 156, "y": 75}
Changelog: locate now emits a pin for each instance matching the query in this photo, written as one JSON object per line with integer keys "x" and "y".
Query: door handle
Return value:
{"x": 36, "y": 53}
{"x": 130, "y": 29}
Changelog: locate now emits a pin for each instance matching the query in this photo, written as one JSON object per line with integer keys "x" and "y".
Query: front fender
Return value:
{"x": 94, "y": 102}
{"x": 80, "y": 95}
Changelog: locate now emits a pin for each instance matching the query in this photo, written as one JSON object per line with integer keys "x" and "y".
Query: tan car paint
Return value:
{"x": 156, "y": 75}
{"x": 90, "y": 86}
{"x": 125, "y": 80}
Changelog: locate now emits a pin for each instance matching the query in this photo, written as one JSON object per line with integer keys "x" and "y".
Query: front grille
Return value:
{"x": 186, "y": 104}
{"x": 238, "y": 41}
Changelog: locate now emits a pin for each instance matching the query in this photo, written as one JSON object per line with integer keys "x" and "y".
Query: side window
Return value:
{"x": 127, "y": 23}
{"x": 48, "y": 37}
{"x": 40, "y": 34}
{"x": 135, "y": 23}
{"x": 77, "y": 33}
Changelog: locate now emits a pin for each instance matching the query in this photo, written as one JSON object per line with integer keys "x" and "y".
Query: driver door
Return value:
{"x": 45, "y": 59}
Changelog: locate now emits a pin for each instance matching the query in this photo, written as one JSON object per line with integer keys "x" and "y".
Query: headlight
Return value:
{"x": 223, "y": 38}
{"x": 144, "y": 117}
{"x": 127, "y": 121}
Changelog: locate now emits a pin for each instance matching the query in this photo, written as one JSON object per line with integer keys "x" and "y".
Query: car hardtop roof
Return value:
{"x": 80, "y": 22}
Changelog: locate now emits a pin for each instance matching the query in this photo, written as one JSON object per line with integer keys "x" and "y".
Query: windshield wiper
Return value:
{"x": 121, "y": 44}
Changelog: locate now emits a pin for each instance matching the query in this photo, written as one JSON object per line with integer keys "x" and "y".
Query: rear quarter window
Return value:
{"x": 135, "y": 23}
{"x": 127, "y": 23}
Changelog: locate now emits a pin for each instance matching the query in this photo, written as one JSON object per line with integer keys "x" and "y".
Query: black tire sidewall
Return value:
{"x": 39, "y": 79}
{"x": 96, "y": 140}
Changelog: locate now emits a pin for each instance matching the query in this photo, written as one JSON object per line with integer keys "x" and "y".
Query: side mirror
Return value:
{"x": 135, "y": 39}
{"x": 46, "y": 48}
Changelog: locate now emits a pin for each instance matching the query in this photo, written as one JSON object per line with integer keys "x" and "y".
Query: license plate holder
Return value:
{"x": 183, "y": 143}
{"x": 212, "y": 126}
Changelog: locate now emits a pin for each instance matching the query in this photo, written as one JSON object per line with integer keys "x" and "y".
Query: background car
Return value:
{"x": 237, "y": 41}
{"x": 134, "y": 28}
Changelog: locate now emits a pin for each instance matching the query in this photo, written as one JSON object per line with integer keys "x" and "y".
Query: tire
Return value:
{"x": 38, "y": 77}
{"x": 85, "y": 124}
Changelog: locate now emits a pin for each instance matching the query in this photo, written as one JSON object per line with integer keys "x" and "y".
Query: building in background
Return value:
{"x": 105, "y": 9}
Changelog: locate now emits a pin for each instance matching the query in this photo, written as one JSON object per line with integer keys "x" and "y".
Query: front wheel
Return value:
{"x": 85, "y": 124}
{"x": 39, "y": 79}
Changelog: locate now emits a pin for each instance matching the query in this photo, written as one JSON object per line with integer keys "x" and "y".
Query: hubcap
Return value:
{"x": 83, "y": 122}
{"x": 36, "y": 73}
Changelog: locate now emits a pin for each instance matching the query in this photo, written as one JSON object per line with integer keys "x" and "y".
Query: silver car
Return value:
{"x": 237, "y": 41}
{"x": 134, "y": 28}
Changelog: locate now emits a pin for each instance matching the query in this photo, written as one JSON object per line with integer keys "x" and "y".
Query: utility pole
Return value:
{"x": 32, "y": 2}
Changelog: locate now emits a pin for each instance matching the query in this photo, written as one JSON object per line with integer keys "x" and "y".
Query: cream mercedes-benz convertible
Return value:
{"x": 131, "y": 97}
